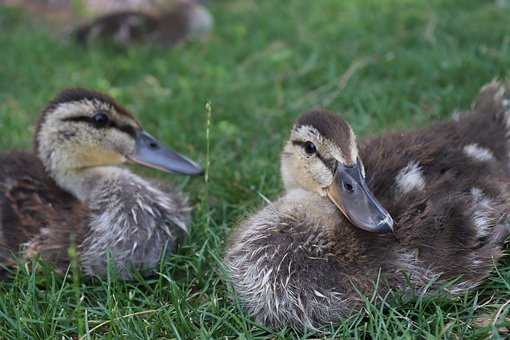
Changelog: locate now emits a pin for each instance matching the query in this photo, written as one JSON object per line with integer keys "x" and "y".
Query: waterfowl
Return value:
{"x": 72, "y": 191}
{"x": 418, "y": 212}
{"x": 188, "y": 19}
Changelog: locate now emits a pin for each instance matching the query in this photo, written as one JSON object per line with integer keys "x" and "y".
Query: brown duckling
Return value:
{"x": 73, "y": 190}
{"x": 187, "y": 20}
{"x": 303, "y": 260}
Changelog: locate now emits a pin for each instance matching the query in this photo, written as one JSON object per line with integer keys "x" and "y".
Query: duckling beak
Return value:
{"x": 153, "y": 154}
{"x": 350, "y": 193}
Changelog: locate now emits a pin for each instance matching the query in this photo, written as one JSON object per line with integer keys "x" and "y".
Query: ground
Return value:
{"x": 384, "y": 64}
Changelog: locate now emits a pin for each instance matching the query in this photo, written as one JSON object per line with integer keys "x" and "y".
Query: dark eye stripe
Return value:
{"x": 126, "y": 129}
{"x": 329, "y": 163}
{"x": 84, "y": 119}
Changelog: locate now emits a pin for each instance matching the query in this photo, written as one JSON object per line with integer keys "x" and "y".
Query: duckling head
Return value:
{"x": 322, "y": 156}
{"x": 81, "y": 130}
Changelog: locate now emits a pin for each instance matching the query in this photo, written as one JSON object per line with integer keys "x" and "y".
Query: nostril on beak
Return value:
{"x": 153, "y": 145}
{"x": 348, "y": 187}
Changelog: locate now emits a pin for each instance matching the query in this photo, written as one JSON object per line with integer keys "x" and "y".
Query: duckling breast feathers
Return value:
{"x": 134, "y": 222}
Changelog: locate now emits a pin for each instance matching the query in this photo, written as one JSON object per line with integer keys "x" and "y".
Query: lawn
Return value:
{"x": 384, "y": 64}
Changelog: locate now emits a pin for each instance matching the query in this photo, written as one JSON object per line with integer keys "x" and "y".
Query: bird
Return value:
{"x": 73, "y": 192}
{"x": 415, "y": 212}
{"x": 188, "y": 19}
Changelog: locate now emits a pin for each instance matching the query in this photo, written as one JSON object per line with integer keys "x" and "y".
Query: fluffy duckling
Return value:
{"x": 187, "y": 20}
{"x": 303, "y": 260}
{"x": 73, "y": 190}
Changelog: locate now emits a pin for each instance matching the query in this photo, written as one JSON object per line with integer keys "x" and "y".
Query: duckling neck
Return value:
{"x": 115, "y": 186}
{"x": 315, "y": 205}
{"x": 82, "y": 182}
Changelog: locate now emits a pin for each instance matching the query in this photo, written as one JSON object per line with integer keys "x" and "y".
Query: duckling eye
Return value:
{"x": 100, "y": 120}
{"x": 310, "y": 148}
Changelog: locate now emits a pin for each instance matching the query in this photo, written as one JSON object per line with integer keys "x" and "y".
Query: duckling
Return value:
{"x": 72, "y": 190}
{"x": 419, "y": 212}
{"x": 187, "y": 20}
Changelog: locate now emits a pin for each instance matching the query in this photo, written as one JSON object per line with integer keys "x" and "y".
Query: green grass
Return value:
{"x": 385, "y": 64}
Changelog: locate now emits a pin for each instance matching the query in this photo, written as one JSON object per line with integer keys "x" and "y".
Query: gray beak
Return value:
{"x": 351, "y": 195}
{"x": 151, "y": 153}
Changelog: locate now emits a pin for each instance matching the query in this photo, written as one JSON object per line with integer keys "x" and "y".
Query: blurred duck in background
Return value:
{"x": 185, "y": 20}
{"x": 124, "y": 22}
{"x": 73, "y": 191}
{"x": 420, "y": 212}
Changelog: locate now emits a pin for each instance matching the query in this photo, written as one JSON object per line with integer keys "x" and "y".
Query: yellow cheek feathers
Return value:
{"x": 96, "y": 156}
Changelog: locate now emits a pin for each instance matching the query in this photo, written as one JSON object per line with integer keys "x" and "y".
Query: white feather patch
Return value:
{"x": 456, "y": 115}
{"x": 410, "y": 178}
{"x": 482, "y": 212}
{"x": 506, "y": 104}
{"x": 478, "y": 153}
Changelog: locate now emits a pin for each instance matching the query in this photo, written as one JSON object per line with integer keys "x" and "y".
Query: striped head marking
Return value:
{"x": 83, "y": 129}
{"x": 322, "y": 156}
{"x": 319, "y": 141}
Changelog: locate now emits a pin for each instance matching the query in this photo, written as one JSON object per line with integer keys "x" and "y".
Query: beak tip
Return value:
{"x": 199, "y": 172}
{"x": 386, "y": 225}
{"x": 151, "y": 153}
{"x": 197, "y": 169}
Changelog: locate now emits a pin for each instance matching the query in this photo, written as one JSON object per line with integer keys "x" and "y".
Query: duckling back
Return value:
{"x": 448, "y": 188}
{"x": 487, "y": 124}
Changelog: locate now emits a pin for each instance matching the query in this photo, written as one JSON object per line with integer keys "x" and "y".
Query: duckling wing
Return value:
{"x": 21, "y": 204}
{"x": 472, "y": 148}
{"x": 455, "y": 233}
{"x": 36, "y": 217}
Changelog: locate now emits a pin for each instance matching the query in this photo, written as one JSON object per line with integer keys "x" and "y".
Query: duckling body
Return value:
{"x": 300, "y": 262}
{"x": 72, "y": 191}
